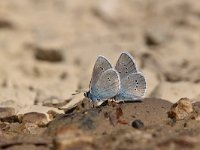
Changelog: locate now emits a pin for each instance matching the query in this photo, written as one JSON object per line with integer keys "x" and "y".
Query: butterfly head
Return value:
{"x": 87, "y": 94}
{"x": 91, "y": 96}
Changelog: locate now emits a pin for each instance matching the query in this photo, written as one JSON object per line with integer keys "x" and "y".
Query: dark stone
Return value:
{"x": 7, "y": 114}
{"x": 50, "y": 55}
{"x": 156, "y": 36}
{"x": 6, "y": 24}
{"x": 137, "y": 124}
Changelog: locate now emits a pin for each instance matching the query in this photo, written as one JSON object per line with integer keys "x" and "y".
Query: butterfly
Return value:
{"x": 133, "y": 83}
{"x": 105, "y": 82}
{"x": 122, "y": 83}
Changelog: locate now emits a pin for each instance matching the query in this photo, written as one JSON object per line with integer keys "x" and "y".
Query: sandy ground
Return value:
{"x": 48, "y": 48}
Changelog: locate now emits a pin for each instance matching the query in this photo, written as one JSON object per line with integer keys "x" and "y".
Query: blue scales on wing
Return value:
{"x": 101, "y": 65}
{"x": 107, "y": 86}
{"x": 126, "y": 65}
{"x": 133, "y": 88}
{"x": 133, "y": 83}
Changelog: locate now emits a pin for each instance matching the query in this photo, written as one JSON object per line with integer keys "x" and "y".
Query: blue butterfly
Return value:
{"x": 122, "y": 83}
{"x": 133, "y": 83}
{"x": 105, "y": 82}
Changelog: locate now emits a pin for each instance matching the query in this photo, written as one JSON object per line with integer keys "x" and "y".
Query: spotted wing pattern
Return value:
{"x": 126, "y": 65}
{"x": 101, "y": 65}
{"x": 107, "y": 86}
{"x": 133, "y": 87}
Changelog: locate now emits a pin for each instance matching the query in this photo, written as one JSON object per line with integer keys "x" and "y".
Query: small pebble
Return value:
{"x": 50, "y": 55}
{"x": 181, "y": 109}
{"x": 71, "y": 139}
{"x": 35, "y": 118}
{"x": 6, "y": 24}
{"x": 156, "y": 37}
{"x": 138, "y": 124}
{"x": 6, "y": 112}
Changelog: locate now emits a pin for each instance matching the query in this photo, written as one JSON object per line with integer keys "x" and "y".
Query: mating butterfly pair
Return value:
{"x": 122, "y": 83}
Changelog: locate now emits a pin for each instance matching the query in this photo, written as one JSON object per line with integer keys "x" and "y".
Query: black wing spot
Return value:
{"x": 109, "y": 79}
{"x": 135, "y": 89}
{"x": 120, "y": 72}
{"x": 126, "y": 71}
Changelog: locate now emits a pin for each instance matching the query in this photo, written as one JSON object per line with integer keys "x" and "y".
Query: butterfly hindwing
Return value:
{"x": 133, "y": 88}
{"x": 125, "y": 65}
{"x": 107, "y": 86}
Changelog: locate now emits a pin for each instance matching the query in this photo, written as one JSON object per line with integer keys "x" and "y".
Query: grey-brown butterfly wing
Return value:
{"x": 107, "y": 86}
{"x": 101, "y": 65}
{"x": 126, "y": 65}
{"x": 133, "y": 88}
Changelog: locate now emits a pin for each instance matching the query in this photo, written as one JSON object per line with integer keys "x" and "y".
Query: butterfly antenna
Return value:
{"x": 79, "y": 91}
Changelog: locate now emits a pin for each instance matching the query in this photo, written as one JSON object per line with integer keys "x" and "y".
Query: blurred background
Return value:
{"x": 48, "y": 47}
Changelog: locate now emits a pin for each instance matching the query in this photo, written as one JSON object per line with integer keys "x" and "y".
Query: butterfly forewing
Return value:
{"x": 125, "y": 65}
{"x": 133, "y": 87}
{"x": 101, "y": 65}
{"x": 107, "y": 86}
